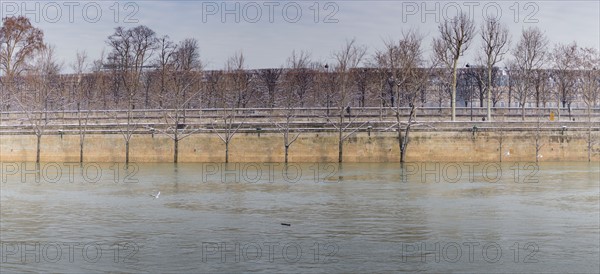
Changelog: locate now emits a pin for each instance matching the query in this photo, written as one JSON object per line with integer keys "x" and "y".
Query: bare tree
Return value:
{"x": 418, "y": 84}
{"x": 565, "y": 63}
{"x": 455, "y": 37}
{"x": 347, "y": 60}
{"x": 231, "y": 122}
{"x": 589, "y": 77}
{"x": 81, "y": 63}
{"x": 163, "y": 63}
{"x": 240, "y": 79}
{"x": 41, "y": 79}
{"x": 442, "y": 84}
{"x": 496, "y": 93}
{"x": 529, "y": 55}
{"x": 511, "y": 73}
{"x": 388, "y": 60}
{"x": 290, "y": 103}
{"x": 379, "y": 81}
{"x": 496, "y": 42}
{"x": 19, "y": 42}
{"x": 187, "y": 68}
{"x": 476, "y": 76}
{"x": 185, "y": 76}
{"x": 215, "y": 88}
{"x": 101, "y": 81}
{"x": 589, "y": 87}
{"x": 404, "y": 61}
{"x": 131, "y": 50}
{"x": 414, "y": 79}
{"x": 519, "y": 86}
{"x": 270, "y": 78}
{"x": 83, "y": 97}
{"x": 541, "y": 87}
{"x": 361, "y": 80}
{"x": 328, "y": 82}
{"x": 538, "y": 139}
{"x": 229, "y": 127}
{"x": 46, "y": 70}
{"x": 299, "y": 76}
{"x": 147, "y": 79}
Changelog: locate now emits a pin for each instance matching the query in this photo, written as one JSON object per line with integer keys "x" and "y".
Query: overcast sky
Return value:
{"x": 267, "y": 32}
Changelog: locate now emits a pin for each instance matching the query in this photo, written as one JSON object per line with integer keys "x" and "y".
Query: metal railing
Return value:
{"x": 314, "y": 112}
{"x": 253, "y": 120}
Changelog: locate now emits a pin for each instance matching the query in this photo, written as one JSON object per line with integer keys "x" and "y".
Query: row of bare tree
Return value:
{"x": 144, "y": 70}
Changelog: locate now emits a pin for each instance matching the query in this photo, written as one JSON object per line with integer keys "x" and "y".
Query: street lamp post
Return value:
{"x": 471, "y": 99}
{"x": 327, "y": 86}
{"x": 508, "y": 83}
{"x": 596, "y": 82}
{"x": 397, "y": 96}
{"x": 552, "y": 87}
{"x": 469, "y": 86}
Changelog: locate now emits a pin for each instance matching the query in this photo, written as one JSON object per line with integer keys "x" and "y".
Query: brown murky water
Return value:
{"x": 444, "y": 217}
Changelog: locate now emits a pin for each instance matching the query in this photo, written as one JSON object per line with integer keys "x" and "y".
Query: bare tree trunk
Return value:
{"x": 81, "y": 148}
{"x": 404, "y": 141}
{"x": 589, "y": 133}
{"x": 399, "y": 136}
{"x": 538, "y": 144}
{"x": 37, "y": 153}
{"x": 537, "y": 149}
{"x": 81, "y": 132}
{"x": 340, "y": 137}
{"x": 227, "y": 152}
{"x": 500, "y": 146}
{"x": 489, "y": 95}
{"x": 126, "y": 151}
{"x": 590, "y": 143}
{"x": 509, "y": 95}
{"x": 453, "y": 101}
{"x": 501, "y": 139}
{"x": 286, "y": 153}
{"x": 456, "y": 35}
{"x": 340, "y": 148}
{"x": 175, "y": 150}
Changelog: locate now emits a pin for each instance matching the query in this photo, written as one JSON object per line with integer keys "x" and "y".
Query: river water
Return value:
{"x": 430, "y": 217}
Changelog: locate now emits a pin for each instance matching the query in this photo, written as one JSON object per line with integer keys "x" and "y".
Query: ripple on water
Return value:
{"x": 366, "y": 211}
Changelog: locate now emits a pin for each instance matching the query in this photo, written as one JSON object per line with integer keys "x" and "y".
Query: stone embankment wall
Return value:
{"x": 425, "y": 146}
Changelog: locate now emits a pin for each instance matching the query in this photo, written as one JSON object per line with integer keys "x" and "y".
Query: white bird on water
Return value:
{"x": 155, "y": 195}
{"x": 507, "y": 153}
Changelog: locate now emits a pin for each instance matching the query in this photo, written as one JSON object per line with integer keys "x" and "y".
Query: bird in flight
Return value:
{"x": 155, "y": 195}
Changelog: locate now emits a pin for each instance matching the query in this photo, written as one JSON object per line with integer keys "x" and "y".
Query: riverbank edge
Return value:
{"x": 369, "y": 147}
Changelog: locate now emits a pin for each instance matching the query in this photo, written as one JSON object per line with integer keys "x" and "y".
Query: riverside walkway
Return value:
{"x": 251, "y": 120}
